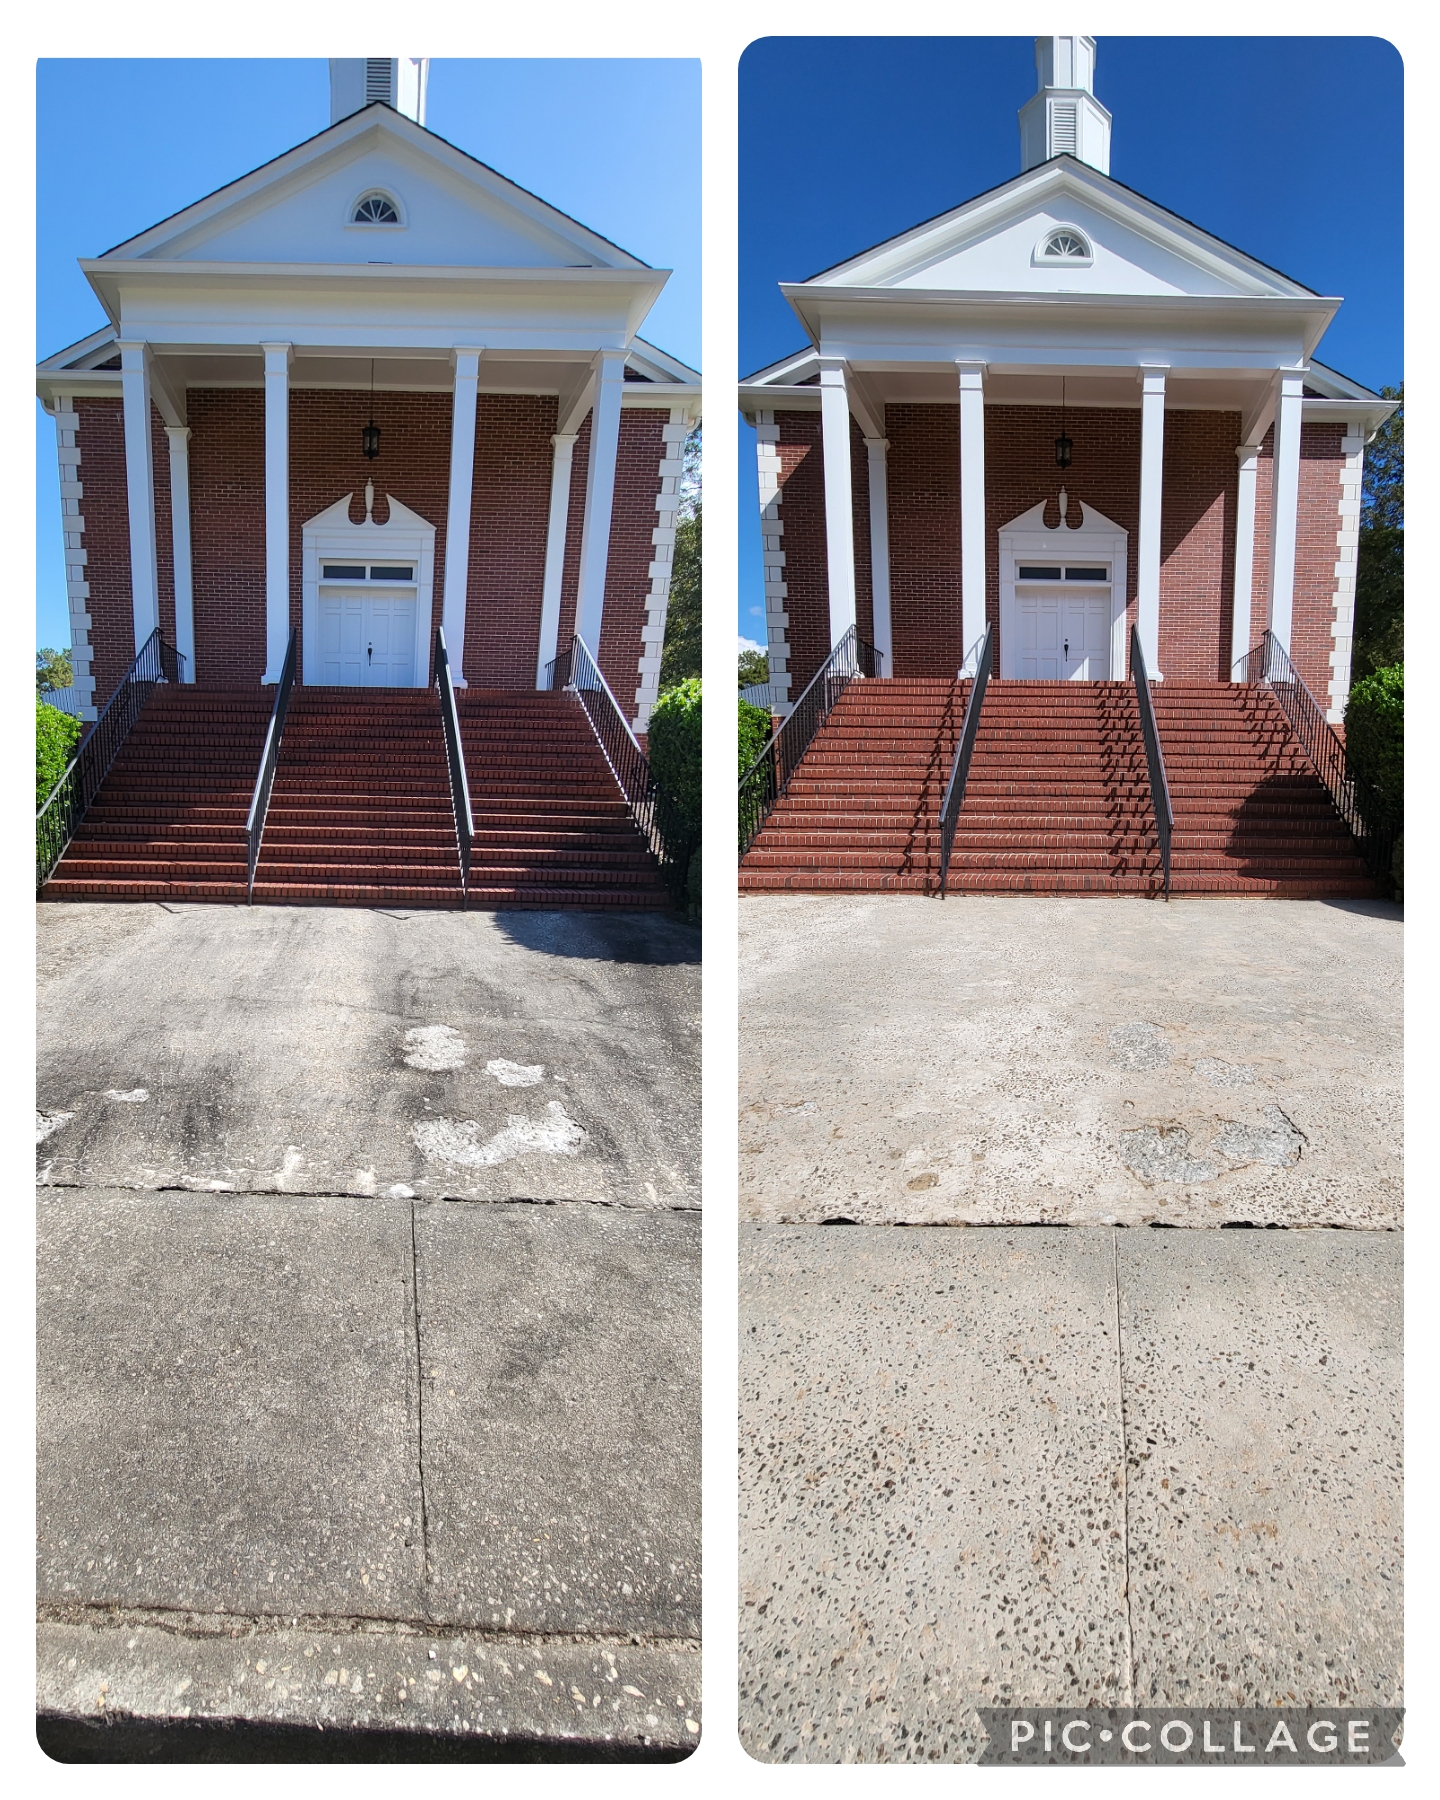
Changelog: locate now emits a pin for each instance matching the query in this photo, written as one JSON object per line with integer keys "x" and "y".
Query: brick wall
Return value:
{"x": 101, "y": 438}
{"x": 802, "y": 509}
{"x": 509, "y": 521}
{"x": 1197, "y": 544}
{"x": 1317, "y": 520}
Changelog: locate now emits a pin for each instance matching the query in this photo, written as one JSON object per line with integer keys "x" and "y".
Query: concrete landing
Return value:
{"x": 402, "y": 1432}
{"x": 1032, "y": 1060}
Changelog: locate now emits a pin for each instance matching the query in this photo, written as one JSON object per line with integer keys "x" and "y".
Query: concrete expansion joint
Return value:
{"x": 289, "y": 1193}
{"x": 188, "y": 1624}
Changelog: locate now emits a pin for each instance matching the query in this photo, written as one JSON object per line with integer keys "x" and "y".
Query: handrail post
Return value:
{"x": 983, "y": 653}
{"x": 269, "y": 758}
{"x": 1154, "y": 756}
{"x": 455, "y": 757}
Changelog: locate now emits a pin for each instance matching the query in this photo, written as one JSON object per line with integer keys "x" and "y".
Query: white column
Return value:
{"x": 1249, "y": 455}
{"x": 662, "y": 564}
{"x": 839, "y": 500}
{"x": 772, "y": 542}
{"x": 179, "y": 436}
{"x": 880, "y": 550}
{"x": 1284, "y": 502}
{"x": 140, "y": 488}
{"x": 1152, "y": 473}
{"x": 599, "y": 497}
{"x": 972, "y": 502}
{"x": 457, "y": 517}
{"x": 277, "y": 507}
{"x": 564, "y": 446}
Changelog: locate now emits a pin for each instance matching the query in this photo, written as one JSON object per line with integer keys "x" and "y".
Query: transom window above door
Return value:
{"x": 1057, "y": 572}
{"x": 359, "y": 571}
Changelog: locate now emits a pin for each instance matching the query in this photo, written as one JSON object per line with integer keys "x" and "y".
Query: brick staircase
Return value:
{"x": 360, "y": 814}
{"x": 551, "y": 825}
{"x": 169, "y": 820}
{"x": 1251, "y": 815}
{"x": 1058, "y": 799}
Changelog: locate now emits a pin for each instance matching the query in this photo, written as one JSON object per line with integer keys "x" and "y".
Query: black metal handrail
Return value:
{"x": 455, "y": 755}
{"x": 670, "y": 835}
{"x": 763, "y": 784}
{"x": 269, "y": 757}
{"x": 964, "y": 749}
{"x": 70, "y": 798}
{"x": 1154, "y": 755}
{"x": 1373, "y": 824}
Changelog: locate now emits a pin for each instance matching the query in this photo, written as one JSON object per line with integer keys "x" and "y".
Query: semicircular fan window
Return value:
{"x": 375, "y": 209}
{"x": 1069, "y": 246}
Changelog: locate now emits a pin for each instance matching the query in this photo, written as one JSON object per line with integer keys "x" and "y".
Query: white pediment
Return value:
{"x": 453, "y": 210}
{"x": 1068, "y": 535}
{"x": 996, "y": 244}
{"x": 336, "y": 518}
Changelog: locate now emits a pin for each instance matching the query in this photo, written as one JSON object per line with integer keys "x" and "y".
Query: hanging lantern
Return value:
{"x": 370, "y": 434}
{"x": 1063, "y": 445}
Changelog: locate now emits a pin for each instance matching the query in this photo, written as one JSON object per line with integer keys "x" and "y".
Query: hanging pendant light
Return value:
{"x": 370, "y": 435}
{"x": 1063, "y": 445}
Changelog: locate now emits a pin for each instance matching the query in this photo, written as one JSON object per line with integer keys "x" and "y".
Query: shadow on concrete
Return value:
{"x": 620, "y": 937}
{"x": 123, "y": 1740}
{"x": 1367, "y": 909}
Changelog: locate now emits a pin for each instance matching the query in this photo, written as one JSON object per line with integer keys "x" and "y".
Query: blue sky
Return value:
{"x": 123, "y": 143}
{"x": 1289, "y": 148}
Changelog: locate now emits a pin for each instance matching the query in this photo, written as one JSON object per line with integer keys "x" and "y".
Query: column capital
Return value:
{"x": 834, "y": 370}
{"x": 283, "y": 354}
{"x": 882, "y": 444}
{"x": 1152, "y": 377}
{"x": 178, "y": 433}
{"x": 1248, "y": 452}
{"x": 563, "y": 437}
{"x": 466, "y": 358}
{"x": 968, "y": 365}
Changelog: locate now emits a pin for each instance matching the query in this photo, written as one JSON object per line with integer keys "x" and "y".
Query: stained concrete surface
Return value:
{"x": 562, "y": 1417}
{"x": 1031, "y": 1060}
{"x": 270, "y": 1049}
{"x": 273, "y": 1406}
{"x": 956, "y": 1446}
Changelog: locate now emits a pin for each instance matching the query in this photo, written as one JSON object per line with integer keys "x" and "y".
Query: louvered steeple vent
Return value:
{"x": 397, "y": 81}
{"x": 1064, "y": 118}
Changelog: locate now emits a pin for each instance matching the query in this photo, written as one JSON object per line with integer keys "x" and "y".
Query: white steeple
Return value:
{"x": 399, "y": 81}
{"x": 1064, "y": 114}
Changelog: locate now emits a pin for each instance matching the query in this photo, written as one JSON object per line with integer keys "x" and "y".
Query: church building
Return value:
{"x": 371, "y": 389}
{"x": 1066, "y": 414}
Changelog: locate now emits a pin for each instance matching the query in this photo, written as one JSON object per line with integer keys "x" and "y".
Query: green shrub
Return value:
{"x": 1375, "y": 734}
{"x": 675, "y": 748}
{"x": 56, "y": 735}
{"x": 754, "y": 733}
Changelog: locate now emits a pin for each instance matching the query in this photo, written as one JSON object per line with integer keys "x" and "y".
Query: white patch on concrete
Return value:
{"x": 363, "y": 1181}
{"x": 457, "y": 1141}
{"x": 434, "y": 1047}
{"x": 1223, "y": 1074}
{"x": 1138, "y": 1046}
{"x": 48, "y": 1122}
{"x": 513, "y": 1074}
{"x": 399, "y": 1192}
{"x": 131, "y": 1097}
{"x": 294, "y": 1158}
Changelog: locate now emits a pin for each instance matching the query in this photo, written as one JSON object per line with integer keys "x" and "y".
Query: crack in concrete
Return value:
{"x": 235, "y": 1193}
{"x": 184, "y": 1623}
{"x": 425, "y": 1572}
{"x": 1124, "y": 1476}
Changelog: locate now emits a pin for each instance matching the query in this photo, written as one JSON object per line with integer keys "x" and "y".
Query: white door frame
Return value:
{"x": 405, "y": 537}
{"x": 1099, "y": 540}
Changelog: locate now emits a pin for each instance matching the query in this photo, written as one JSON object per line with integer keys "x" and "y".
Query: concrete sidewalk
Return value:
{"x": 414, "y": 1451}
{"x": 1039, "y": 1466}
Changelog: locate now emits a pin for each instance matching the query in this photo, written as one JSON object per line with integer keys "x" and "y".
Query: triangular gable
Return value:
{"x": 337, "y": 518}
{"x": 1092, "y": 522}
{"x": 995, "y": 243}
{"x": 455, "y": 210}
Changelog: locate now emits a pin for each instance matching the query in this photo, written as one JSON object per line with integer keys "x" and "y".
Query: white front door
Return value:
{"x": 366, "y": 639}
{"x": 1062, "y": 634}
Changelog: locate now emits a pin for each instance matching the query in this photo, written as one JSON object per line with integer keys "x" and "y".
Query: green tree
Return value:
{"x": 56, "y": 735}
{"x": 674, "y": 747}
{"x": 754, "y": 733}
{"x": 680, "y": 657}
{"x": 754, "y": 667}
{"x": 1380, "y": 575}
{"x": 53, "y": 669}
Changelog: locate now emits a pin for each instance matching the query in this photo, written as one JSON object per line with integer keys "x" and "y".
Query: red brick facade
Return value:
{"x": 508, "y": 525}
{"x": 1197, "y": 569}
